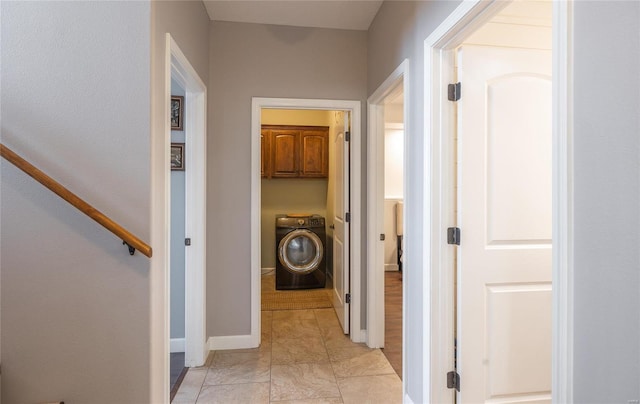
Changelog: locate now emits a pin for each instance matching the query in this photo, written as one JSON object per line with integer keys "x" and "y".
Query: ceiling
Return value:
{"x": 339, "y": 14}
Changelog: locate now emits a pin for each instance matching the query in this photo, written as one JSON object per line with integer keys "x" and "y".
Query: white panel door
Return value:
{"x": 341, "y": 231}
{"x": 504, "y": 212}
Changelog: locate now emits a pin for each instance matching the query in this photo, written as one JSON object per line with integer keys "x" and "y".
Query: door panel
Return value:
{"x": 285, "y": 149}
{"x": 504, "y": 212}
{"x": 518, "y": 160}
{"x": 341, "y": 230}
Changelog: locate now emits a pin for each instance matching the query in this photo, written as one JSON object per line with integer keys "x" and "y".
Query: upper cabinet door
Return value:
{"x": 285, "y": 153}
{"x": 315, "y": 156}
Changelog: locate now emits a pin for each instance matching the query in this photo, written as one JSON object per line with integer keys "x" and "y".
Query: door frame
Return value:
{"x": 257, "y": 104}
{"x": 195, "y": 118}
{"x": 175, "y": 63}
{"x": 439, "y": 178}
{"x": 375, "y": 201}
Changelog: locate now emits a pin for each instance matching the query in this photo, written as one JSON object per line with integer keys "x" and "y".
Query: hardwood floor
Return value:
{"x": 177, "y": 371}
{"x": 393, "y": 319}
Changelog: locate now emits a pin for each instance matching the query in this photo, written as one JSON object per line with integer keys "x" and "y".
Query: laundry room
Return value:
{"x": 297, "y": 199}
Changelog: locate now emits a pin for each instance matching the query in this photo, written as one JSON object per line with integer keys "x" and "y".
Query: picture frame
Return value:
{"x": 177, "y": 112}
{"x": 177, "y": 156}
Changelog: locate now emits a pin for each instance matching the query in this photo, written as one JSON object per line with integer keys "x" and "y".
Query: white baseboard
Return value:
{"x": 265, "y": 271}
{"x": 232, "y": 342}
{"x": 391, "y": 267}
{"x": 176, "y": 345}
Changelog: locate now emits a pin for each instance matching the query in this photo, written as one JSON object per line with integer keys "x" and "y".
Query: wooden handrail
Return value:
{"x": 129, "y": 239}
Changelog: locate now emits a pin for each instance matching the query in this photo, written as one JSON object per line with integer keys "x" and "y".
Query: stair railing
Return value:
{"x": 128, "y": 239}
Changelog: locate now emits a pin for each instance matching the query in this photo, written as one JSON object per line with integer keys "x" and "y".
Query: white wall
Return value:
{"x": 75, "y": 102}
{"x": 393, "y": 163}
{"x": 248, "y": 60}
{"x": 607, "y": 202}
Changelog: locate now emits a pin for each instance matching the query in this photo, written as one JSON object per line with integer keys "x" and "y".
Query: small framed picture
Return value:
{"x": 177, "y": 112}
{"x": 177, "y": 156}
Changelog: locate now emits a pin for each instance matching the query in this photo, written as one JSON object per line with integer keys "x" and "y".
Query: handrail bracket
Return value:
{"x": 132, "y": 250}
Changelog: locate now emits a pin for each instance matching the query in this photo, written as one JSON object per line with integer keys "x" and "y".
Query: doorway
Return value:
{"x": 451, "y": 160}
{"x": 386, "y": 168}
{"x": 352, "y": 260}
{"x": 188, "y": 333}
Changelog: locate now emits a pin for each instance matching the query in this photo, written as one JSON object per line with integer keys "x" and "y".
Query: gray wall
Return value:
{"x": 398, "y": 32}
{"x": 177, "y": 235}
{"x": 607, "y": 202}
{"x": 248, "y": 60}
{"x": 75, "y": 102}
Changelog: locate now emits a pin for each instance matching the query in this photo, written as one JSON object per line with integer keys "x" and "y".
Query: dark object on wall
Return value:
{"x": 177, "y": 156}
{"x": 177, "y": 112}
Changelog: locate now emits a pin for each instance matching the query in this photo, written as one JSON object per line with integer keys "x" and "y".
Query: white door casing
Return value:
{"x": 351, "y": 108}
{"x": 504, "y": 212}
{"x": 196, "y": 349}
{"x": 437, "y": 358}
{"x": 341, "y": 226}
{"x": 375, "y": 200}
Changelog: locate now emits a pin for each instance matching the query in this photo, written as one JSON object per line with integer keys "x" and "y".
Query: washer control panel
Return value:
{"x": 316, "y": 221}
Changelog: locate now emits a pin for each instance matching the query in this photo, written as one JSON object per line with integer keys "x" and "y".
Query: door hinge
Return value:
{"x": 382, "y": 237}
{"x": 347, "y": 136}
{"x": 347, "y": 217}
{"x": 187, "y": 241}
{"x": 454, "y": 91}
{"x": 453, "y": 235}
{"x": 453, "y": 380}
{"x": 347, "y": 298}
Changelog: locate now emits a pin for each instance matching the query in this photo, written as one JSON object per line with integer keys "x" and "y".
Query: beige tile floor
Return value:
{"x": 304, "y": 358}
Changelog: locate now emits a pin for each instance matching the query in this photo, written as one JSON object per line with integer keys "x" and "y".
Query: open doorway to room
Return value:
{"x": 185, "y": 218}
{"x": 296, "y": 189}
{"x": 386, "y": 236}
{"x": 177, "y": 264}
{"x": 393, "y": 217}
{"x": 489, "y": 194}
{"x": 302, "y": 182}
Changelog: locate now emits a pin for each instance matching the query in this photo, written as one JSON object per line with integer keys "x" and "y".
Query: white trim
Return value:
{"x": 231, "y": 342}
{"x": 375, "y": 198}
{"x": 353, "y": 107}
{"x": 176, "y": 345}
{"x": 195, "y": 204}
{"x": 407, "y": 399}
{"x": 562, "y": 330}
{"x": 391, "y": 267}
{"x": 438, "y": 302}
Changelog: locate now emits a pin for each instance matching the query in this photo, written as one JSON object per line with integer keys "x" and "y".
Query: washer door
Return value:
{"x": 300, "y": 251}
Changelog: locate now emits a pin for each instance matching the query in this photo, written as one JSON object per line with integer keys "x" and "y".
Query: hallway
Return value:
{"x": 304, "y": 356}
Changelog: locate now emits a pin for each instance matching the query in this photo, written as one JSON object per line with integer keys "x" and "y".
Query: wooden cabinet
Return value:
{"x": 315, "y": 153}
{"x": 285, "y": 153}
{"x": 295, "y": 151}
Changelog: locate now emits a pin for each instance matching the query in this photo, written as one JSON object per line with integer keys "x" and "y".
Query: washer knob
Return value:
{"x": 300, "y": 222}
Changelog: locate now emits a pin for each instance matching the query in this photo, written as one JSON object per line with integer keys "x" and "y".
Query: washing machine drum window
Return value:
{"x": 300, "y": 251}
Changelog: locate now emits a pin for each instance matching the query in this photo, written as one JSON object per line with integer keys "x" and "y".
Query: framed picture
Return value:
{"x": 177, "y": 112}
{"x": 177, "y": 156}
